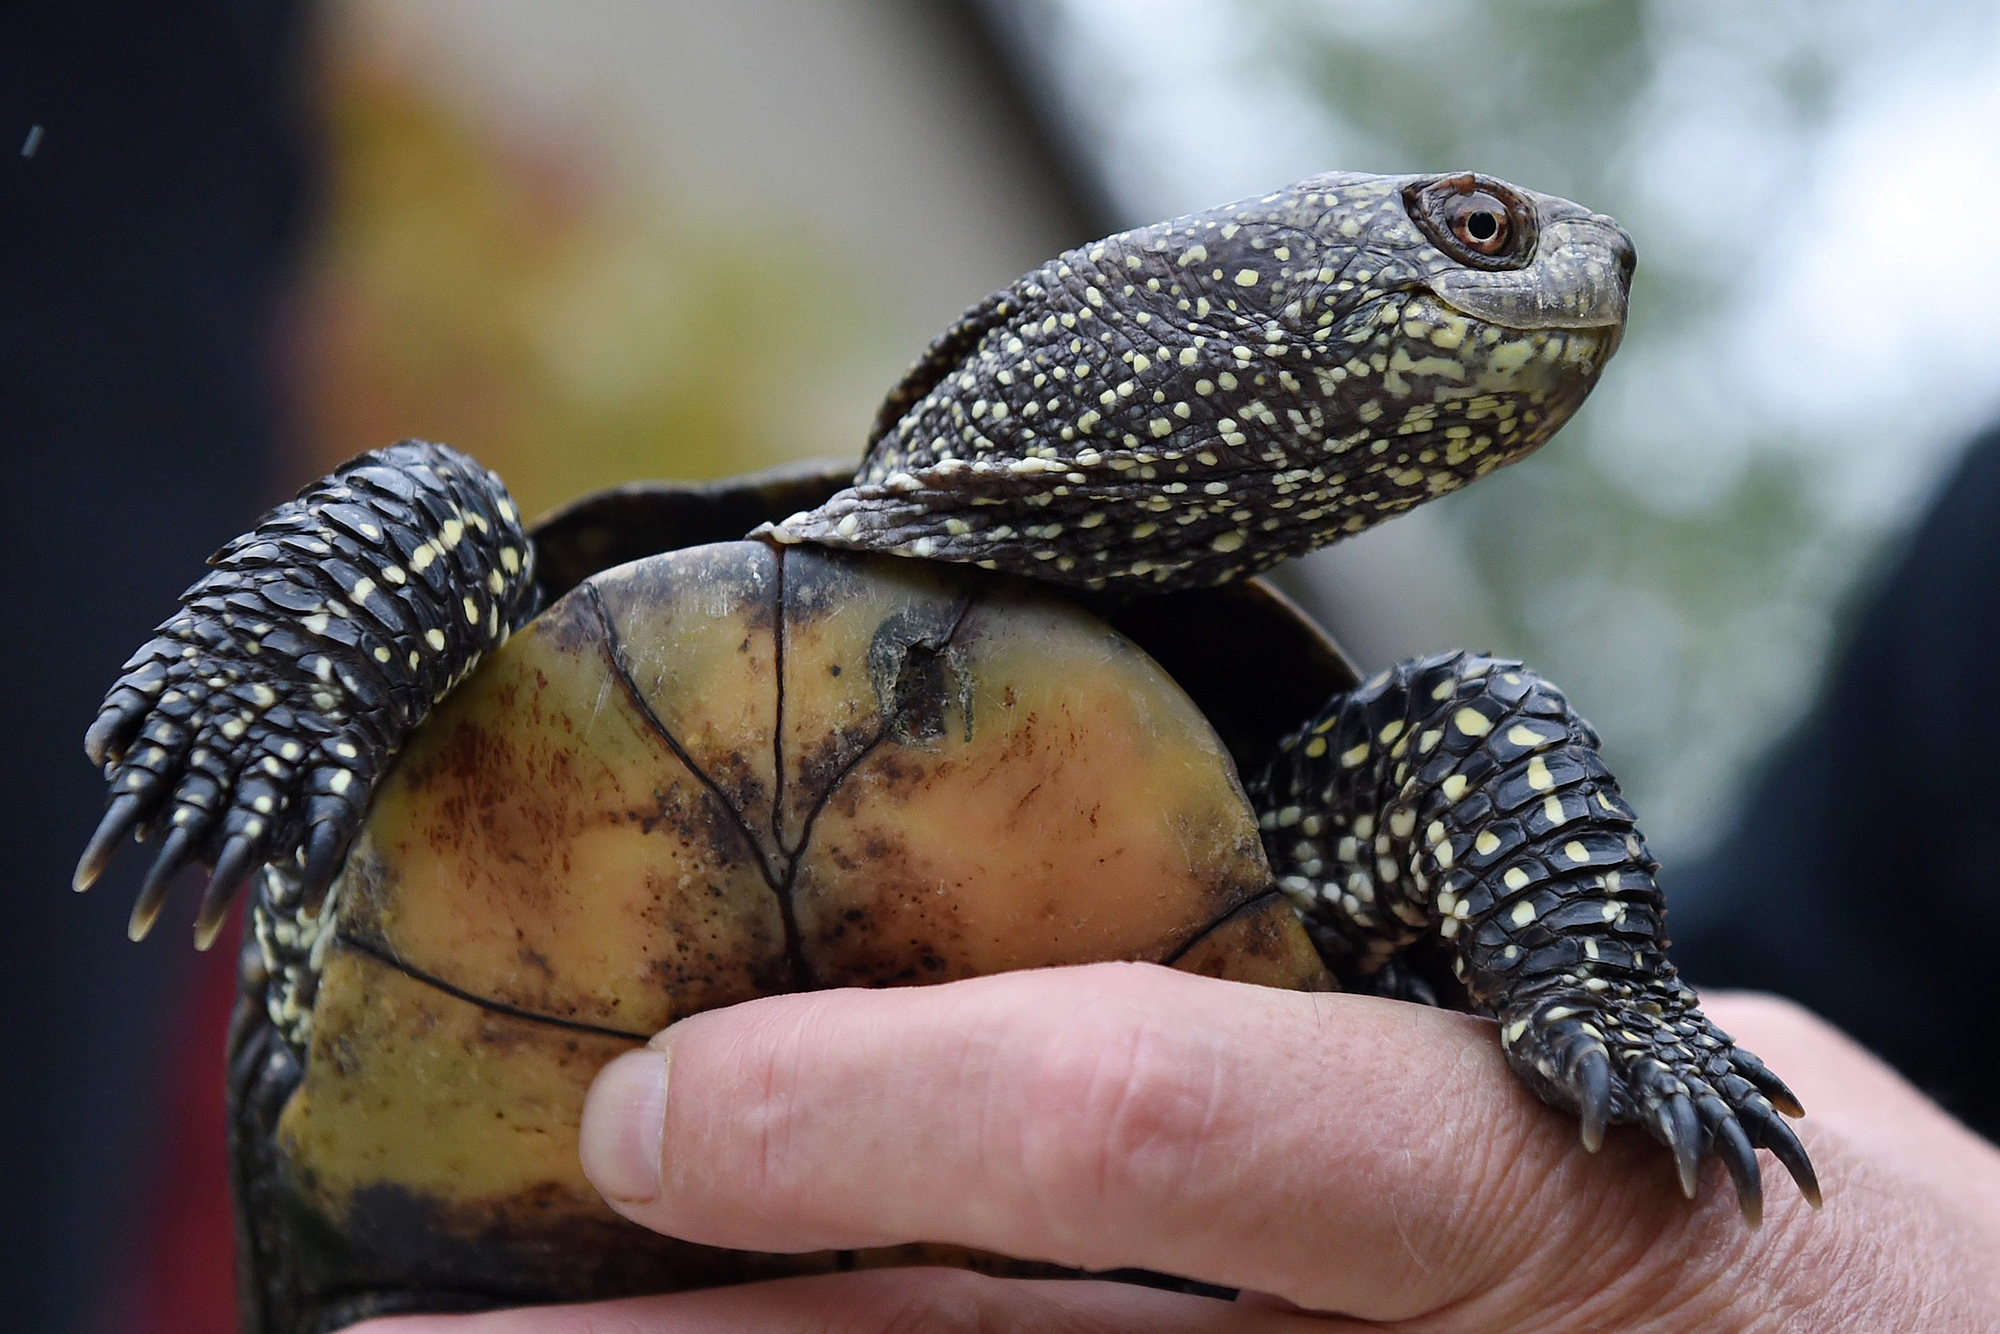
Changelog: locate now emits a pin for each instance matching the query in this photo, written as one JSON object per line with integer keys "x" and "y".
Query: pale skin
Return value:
{"x": 1330, "y": 1153}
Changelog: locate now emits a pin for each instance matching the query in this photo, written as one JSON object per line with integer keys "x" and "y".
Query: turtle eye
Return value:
{"x": 1474, "y": 219}
{"x": 1480, "y": 220}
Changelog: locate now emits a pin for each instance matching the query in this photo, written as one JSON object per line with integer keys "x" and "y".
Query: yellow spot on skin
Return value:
{"x": 1229, "y": 542}
{"x": 510, "y": 560}
{"x": 1516, "y": 878}
{"x": 471, "y": 611}
{"x": 1575, "y": 851}
{"x": 1316, "y": 747}
{"x": 341, "y": 780}
{"x": 435, "y": 638}
{"x": 1539, "y": 777}
{"x": 1473, "y": 723}
{"x": 1390, "y": 732}
{"x": 1487, "y": 843}
{"x": 1552, "y": 809}
{"x": 382, "y": 654}
{"x": 1524, "y": 911}
{"x": 1350, "y": 758}
{"x": 1522, "y": 735}
{"x": 1454, "y": 787}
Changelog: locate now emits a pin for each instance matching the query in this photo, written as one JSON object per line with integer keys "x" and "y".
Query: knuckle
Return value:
{"x": 759, "y": 1061}
{"x": 1115, "y": 1117}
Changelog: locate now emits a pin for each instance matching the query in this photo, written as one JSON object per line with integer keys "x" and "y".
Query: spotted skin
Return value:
{"x": 1460, "y": 798}
{"x": 1171, "y": 407}
{"x": 253, "y": 726}
{"x": 1194, "y": 401}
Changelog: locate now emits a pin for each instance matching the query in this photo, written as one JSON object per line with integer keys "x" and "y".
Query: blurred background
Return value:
{"x": 622, "y": 238}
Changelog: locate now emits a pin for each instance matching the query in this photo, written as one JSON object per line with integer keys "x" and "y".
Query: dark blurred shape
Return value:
{"x": 991, "y": 43}
{"x": 144, "y": 248}
{"x": 1863, "y": 875}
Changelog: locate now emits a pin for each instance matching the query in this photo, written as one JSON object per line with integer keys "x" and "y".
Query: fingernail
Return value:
{"x": 624, "y": 1118}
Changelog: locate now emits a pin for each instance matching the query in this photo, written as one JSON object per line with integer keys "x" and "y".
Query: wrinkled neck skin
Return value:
{"x": 1199, "y": 399}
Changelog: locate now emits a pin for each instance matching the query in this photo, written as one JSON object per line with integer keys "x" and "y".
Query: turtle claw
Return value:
{"x": 124, "y": 710}
{"x": 174, "y": 854}
{"x": 1769, "y": 1131}
{"x": 1766, "y": 1082}
{"x": 1656, "y": 1061}
{"x": 1593, "y": 1085}
{"x": 1675, "y": 1125}
{"x": 1732, "y": 1145}
{"x": 120, "y": 818}
{"x": 239, "y": 856}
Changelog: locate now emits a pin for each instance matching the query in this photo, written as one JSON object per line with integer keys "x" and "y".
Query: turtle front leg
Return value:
{"x": 253, "y": 726}
{"x": 1460, "y": 797}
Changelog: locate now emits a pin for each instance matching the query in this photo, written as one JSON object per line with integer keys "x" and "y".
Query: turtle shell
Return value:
{"x": 712, "y": 774}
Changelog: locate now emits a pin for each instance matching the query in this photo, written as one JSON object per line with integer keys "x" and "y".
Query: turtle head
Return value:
{"x": 1434, "y": 324}
{"x": 1195, "y": 400}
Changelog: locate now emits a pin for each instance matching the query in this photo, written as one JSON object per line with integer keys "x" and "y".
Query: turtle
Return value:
{"x": 1058, "y": 522}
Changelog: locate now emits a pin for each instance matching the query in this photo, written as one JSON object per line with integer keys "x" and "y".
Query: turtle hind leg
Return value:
{"x": 1458, "y": 802}
{"x": 254, "y": 724}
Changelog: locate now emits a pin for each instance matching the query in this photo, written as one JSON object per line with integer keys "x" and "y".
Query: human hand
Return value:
{"x": 1336, "y": 1152}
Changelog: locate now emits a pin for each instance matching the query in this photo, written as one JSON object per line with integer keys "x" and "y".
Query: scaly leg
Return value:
{"x": 1459, "y": 797}
{"x": 253, "y": 726}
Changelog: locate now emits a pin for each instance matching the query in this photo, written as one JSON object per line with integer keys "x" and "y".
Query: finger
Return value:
{"x": 938, "y": 1301}
{"x": 1343, "y": 1152}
